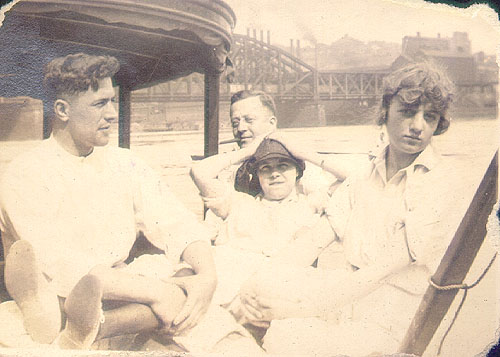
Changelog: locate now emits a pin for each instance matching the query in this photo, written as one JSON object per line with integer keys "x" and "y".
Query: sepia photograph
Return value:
{"x": 249, "y": 178}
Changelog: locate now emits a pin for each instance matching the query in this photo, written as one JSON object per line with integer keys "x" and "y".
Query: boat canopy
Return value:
{"x": 154, "y": 40}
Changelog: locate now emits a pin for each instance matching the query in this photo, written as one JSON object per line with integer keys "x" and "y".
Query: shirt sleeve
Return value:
{"x": 220, "y": 204}
{"x": 315, "y": 179}
{"x": 164, "y": 220}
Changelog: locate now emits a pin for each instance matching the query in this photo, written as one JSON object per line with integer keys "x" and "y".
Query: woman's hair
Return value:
{"x": 416, "y": 84}
{"x": 77, "y": 73}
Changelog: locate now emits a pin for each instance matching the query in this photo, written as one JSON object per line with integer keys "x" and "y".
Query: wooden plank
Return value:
{"x": 124, "y": 118}
{"x": 455, "y": 264}
{"x": 212, "y": 84}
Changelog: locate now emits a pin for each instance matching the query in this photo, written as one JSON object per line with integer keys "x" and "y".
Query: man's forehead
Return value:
{"x": 247, "y": 105}
{"x": 104, "y": 90}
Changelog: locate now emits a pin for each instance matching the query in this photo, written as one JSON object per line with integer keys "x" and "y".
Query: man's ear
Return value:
{"x": 273, "y": 121}
{"x": 61, "y": 109}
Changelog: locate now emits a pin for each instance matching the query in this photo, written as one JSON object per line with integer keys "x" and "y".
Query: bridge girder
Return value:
{"x": 261, "y": 66}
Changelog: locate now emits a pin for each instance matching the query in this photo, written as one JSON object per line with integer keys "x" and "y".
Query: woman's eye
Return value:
{"x": 283, "y": 167}
{"x": 408, "y": 112}
{"x": 430, "y": 117}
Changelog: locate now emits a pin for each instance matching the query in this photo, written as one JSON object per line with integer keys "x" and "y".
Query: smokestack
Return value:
{"x": 298, "y": 48}
{"x": 439, "y": 35}
{"x": 262, "y": 35}
{"x": 418, "y": 34}
{"x": 255, "y": 33}
{"x": 268, "y": 37}
{"x": 248, "y": 32}
{"x": 291, "y": 46}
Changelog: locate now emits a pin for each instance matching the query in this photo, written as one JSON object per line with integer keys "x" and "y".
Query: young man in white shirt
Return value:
{"x": 71, "y": 209}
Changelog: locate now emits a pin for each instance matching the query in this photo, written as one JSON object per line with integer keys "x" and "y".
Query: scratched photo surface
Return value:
{"x": 324, "y": 63}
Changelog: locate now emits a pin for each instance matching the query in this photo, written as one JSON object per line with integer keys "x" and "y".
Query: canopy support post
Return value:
{"x": 212, "y": 84}
{"x": 124, "y": 118}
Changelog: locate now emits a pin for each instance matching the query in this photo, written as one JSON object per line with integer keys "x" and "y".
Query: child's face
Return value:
{"x": 410, "y": 128}
{"x": 277, "y": 178}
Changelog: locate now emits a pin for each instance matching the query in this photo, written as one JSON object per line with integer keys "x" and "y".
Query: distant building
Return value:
{"x": 458, "y": 44}
{"x": 454, "y": 54}
{"x": 486, "y": 67}
{"x": 476, "y": 75}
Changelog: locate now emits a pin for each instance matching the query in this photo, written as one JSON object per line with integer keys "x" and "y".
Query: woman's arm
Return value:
{"x": 286, "y": 291}
{"x": 334, "y": 293}
{"x": 204, "y": 173}
{"x": 327, "y": 163}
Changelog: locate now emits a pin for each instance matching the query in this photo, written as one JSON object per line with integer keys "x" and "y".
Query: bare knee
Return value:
{"x": 184, "y": 272}
{"x": 99, "y": 270}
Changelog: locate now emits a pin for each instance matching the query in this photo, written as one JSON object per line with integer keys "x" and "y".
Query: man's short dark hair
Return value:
{"x": 77, "y": 73}
{"x": 417, "y": 83}
{"x": 265, "y": 98}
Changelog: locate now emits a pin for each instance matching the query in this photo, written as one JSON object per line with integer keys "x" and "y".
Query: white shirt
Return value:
{"x": 412, "y": 215}
{"x": 253, "y": 230}
{"x": 78, "y": 212}
{"x": 259, "y": 225}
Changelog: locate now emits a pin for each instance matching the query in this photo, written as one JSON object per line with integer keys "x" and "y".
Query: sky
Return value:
{"x": 326, "y": 21}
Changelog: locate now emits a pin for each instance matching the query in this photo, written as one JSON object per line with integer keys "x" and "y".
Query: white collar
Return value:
{"x": 292, "y": 197}
{"x": 427, "y": 159}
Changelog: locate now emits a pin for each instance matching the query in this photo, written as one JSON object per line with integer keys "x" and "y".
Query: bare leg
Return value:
{"x": 135, "y": 318}
{"x": 165, "y": 299}
{"x": 128, "y": 319}
{"x": 30, "y": 290}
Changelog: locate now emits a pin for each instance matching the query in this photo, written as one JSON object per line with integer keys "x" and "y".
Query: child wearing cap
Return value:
{"x": 254, "y": 228}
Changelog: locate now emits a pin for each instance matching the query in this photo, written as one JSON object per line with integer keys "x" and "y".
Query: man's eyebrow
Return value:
{"x": 106, "y": 99}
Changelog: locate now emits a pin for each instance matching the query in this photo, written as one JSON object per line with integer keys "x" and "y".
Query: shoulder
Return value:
{"x": 33, "y": 160}
{"x": 125, "y": 160}
{"x": 242, "y": 199}
{"x": 360, "y": 175}
{"x": 26, "y": 174}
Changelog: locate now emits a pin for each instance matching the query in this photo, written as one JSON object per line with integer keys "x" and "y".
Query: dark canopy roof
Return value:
{"x": 154, "y": 40}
